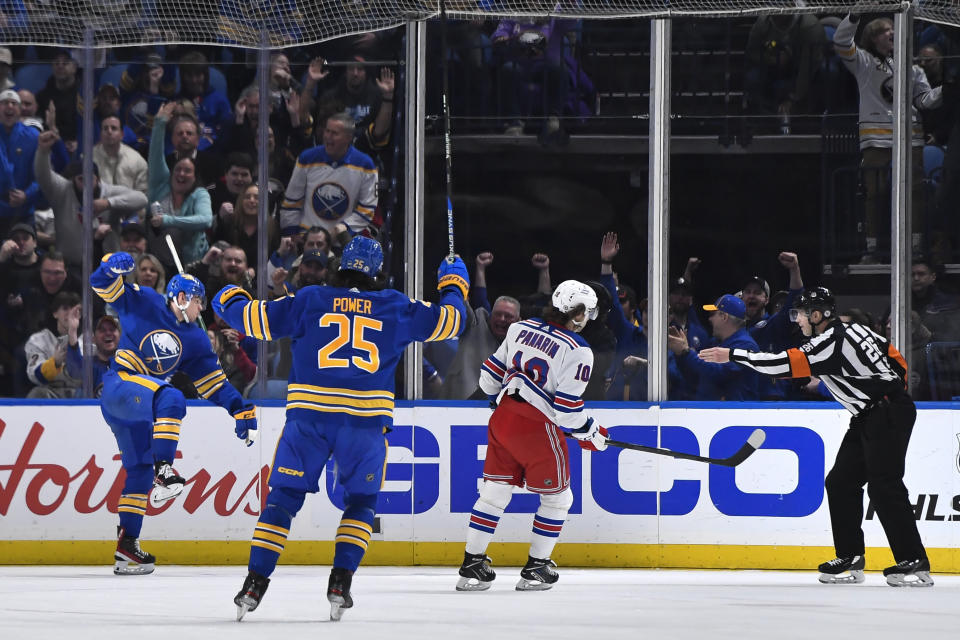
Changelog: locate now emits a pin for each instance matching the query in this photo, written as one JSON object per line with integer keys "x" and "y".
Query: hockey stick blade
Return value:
{"x": 754, "y": 442}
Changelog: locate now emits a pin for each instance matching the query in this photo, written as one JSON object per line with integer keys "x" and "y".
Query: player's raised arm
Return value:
{"x": 107, "y": 279}
{"x": 261, "y": 319}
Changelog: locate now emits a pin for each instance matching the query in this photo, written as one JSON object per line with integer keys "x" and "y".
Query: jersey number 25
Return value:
{"x": 350, "y": 332}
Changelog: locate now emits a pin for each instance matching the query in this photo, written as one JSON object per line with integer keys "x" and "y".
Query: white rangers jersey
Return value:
{"x": 323, "y": 192}
{"x": 875, "y": 80}
{"x": 547, "y": 365}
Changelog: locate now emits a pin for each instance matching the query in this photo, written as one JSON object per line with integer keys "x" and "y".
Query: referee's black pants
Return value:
{"x": 873, "y": 453}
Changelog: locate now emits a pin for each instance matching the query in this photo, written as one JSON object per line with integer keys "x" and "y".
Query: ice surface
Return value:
{"x": 420, "y": 603}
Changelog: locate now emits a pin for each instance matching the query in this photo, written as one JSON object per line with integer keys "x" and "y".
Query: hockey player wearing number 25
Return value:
{"x": 347, "y": 341}
{"x": 159, "y": 337}
{"x": 536, "y": 378}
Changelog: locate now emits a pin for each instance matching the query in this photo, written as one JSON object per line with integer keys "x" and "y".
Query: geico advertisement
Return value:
{"x": 60, "y": 478}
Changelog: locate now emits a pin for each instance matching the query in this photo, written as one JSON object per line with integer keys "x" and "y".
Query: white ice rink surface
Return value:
{"x": 185, "y": 603}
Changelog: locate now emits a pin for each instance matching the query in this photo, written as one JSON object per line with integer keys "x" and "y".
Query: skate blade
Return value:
{"x": 337, "y": 606}
{"x": 532, "y": 585}
{"x": 918, "y": 579}
{"x": 123, "y": 568}
{"x": 472, "y": 584}
{"x": 848, "y": 577}
{"x": 242, "y": 611}
{"x": 160, "y": 495}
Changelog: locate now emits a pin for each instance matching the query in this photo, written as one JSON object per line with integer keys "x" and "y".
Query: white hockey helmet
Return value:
{"x": 571, "y": 293}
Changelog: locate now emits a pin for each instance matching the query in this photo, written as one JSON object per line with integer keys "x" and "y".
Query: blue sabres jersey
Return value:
{"x": 154, "y": 343}
{"x": 346, "y": 345}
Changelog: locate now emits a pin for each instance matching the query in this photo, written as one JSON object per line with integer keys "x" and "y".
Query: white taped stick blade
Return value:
{"x": 252, "y": 436}
{"x": 757, "y": 438}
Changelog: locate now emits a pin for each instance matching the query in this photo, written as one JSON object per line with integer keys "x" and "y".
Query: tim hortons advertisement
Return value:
{"x": 60, "y": 478}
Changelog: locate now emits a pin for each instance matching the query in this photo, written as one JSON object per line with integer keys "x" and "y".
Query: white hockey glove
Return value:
{"x": 591, "y": 436}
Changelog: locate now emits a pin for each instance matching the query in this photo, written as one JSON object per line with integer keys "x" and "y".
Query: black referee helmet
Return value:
{"x": 818, "y": 299}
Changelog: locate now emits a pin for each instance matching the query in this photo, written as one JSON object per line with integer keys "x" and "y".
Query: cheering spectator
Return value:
{"x": 106, "y": 337}
{"x": 871, "y": 62}
{"x": 332, "y": 183}
{"x": 54, "y": 361}
{"x": 185, "y": 212}
{"x": 718, "y": 381}
{"x": 238, "y": 176}
{"x": 111, "y": 203}
{"x": 18, "y": 145}
{"x": 186, "y": 136}
{"x": 144, "y": 88}
{"x": 369, "y": 103}
{"x": 28, "y": 109}
{"x": 150, "y": 274}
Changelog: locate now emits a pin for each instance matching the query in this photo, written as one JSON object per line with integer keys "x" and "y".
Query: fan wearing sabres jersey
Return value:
{"x": 347, "y": 340}
{"x": 158, "y": 338}
{"x": 537, "y": 378}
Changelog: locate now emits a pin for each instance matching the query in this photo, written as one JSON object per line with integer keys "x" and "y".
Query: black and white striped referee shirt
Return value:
{"x": 858, "y": 366}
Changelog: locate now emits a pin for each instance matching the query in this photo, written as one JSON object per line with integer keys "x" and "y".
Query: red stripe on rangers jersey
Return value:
{"x": 484, "y": 521}
{"x": 494, "y": 367}
{"x": 547, "y": 527}
{"x": 573, "y": 404}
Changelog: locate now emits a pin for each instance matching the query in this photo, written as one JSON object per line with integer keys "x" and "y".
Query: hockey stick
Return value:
{"x": 446, "y": 127}
{"x": 176, "y": 261}
{"x": 752, "y": 444}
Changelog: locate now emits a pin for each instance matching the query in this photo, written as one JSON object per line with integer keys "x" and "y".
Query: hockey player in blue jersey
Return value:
{"x": 159, "y": 337}
{"x": 347, "y": 341}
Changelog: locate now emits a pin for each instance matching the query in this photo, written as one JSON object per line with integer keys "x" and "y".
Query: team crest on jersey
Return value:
{"x": 330, "y": 201}
{"x": 161, "y": 351}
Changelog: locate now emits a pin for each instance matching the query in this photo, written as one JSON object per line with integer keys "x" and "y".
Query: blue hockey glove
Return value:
{"x": 591, "y": 436}
{"x": 119, "y": 263}
{"x": 227, "y": 296}
{"x": 247, "y": 424}
{"x": 453, "y": 274}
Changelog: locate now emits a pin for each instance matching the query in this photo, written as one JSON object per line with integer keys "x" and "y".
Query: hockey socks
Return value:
{"x": 132, "y": 505}
{"x": 548, "y": 522}
{"x": 353, "y": 534}
{"x": 486, "y": 514}
{"x": 273, "y": 527}
{"x": 169, "y": 408}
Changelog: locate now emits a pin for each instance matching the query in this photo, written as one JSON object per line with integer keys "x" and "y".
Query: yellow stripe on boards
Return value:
{"x": 384, "y": 553}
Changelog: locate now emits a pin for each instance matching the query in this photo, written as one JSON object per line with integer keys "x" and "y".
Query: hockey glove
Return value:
{"x": 227, "y": 296}
{"x": 119, "y": 263}
{"x": 453, "y": 274}
{"x": 247, "y": 424}
{"x": 591, "y": 436}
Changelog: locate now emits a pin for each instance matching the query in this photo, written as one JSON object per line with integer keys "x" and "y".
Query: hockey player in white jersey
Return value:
{"x": 537, "y": 377}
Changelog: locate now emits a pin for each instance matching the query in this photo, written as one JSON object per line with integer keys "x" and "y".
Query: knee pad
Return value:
{"x": 560, "y": 501}
{"x": 169, "y": 402}
{"x": 287, "y": 500}
{"x": 496, "y": 494}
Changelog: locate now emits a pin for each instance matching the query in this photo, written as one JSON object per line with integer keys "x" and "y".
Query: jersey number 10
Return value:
{"x": 352, "y": 333}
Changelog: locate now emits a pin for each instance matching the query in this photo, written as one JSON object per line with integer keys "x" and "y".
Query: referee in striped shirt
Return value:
{"x": 866, "y": 374}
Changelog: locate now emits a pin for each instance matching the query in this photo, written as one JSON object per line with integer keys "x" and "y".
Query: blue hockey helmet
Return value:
{"x": 362, "y": 254}
{"x": 187, "y": 284}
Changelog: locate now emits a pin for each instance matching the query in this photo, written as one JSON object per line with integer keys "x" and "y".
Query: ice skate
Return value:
{"x": 909, "y": 573}
{"x": 537, "y": 575}
{"x": 167, "y": 484}
{"x": 338, "y": 592}
{"x": 848, "y": 570}
{"x": 254, "y": 586}
{"x": 475, "y": 573}
{"x": 129, "y": 558}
